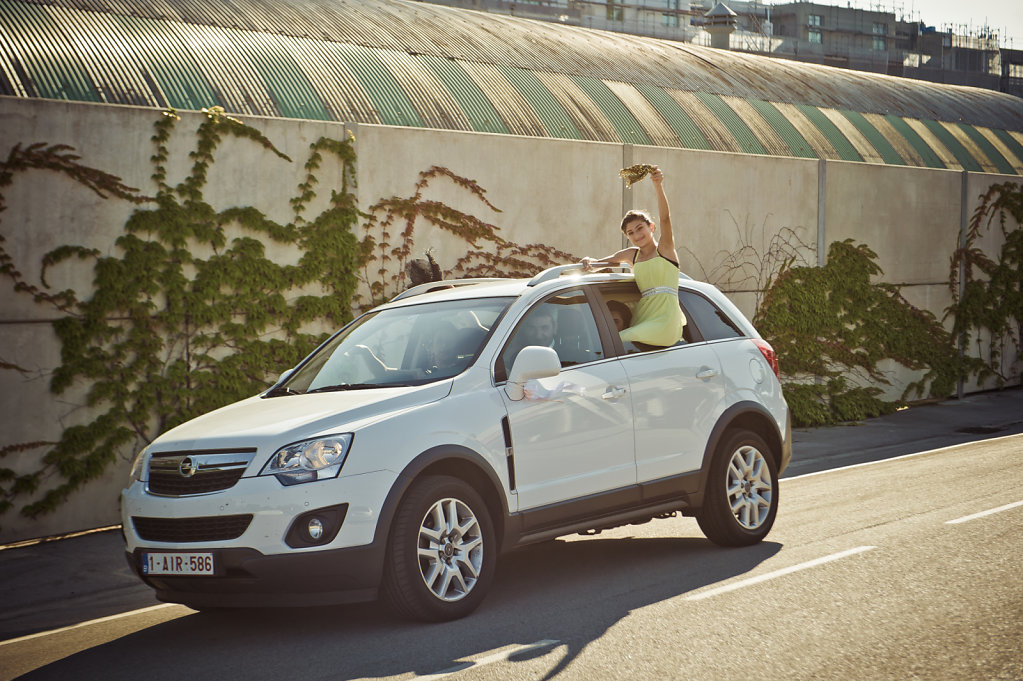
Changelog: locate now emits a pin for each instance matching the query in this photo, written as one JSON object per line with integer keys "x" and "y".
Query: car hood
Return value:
{"x": 280, "y": 420}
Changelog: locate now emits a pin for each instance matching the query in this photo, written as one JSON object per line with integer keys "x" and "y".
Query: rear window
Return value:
{"x": 708, "y": 317}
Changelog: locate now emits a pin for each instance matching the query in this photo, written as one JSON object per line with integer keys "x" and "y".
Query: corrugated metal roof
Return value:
{"x": 787, "y": 132}
{"x": 952, "y": 143}
{"x": 876, "y": 139}
{"x": 810, "y": 131}
{"x": 479, "y": 110}
{"x": 898, "y": 143}
{"x": 991, "y": 151}
{"x": 842, "y": 145}
{"x": 413, "y": 64}
{"x": 711, "y": 128}
{"x": 647, "y": 116}
{"x": 555, "y": 119}
{"x": 948, "y": 159}
{"x": 740, "y": 130}
{"x": 1009, "y": 147}
{"x": 518, "y": 114}
{"x": 629, "y": 129}
{"x": 856, "y": 138}
{"x": 681, "y": 124}
{"x": 923, "y": 151}
{"x": 586, "y": 114}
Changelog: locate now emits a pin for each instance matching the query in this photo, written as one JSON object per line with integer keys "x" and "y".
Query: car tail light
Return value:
{"x": 769, "y": 354}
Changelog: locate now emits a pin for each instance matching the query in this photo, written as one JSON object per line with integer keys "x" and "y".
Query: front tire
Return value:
{"x": 741, "y": 500}
{"x": 442, "y": 551}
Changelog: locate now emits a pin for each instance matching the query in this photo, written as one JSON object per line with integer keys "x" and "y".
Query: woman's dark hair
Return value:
{"x": 424, "y": 270}
{"x": 636, "y": 215}
{"x": 622, "y": 309}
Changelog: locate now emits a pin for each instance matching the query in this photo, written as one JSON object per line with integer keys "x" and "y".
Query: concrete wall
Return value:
{"x": 728, "y": 211}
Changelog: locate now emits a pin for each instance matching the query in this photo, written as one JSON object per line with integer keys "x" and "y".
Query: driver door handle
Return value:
{"x": 613, "y": 392}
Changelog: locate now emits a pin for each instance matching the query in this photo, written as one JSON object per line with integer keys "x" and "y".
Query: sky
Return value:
{"x": 1004, "y": 16}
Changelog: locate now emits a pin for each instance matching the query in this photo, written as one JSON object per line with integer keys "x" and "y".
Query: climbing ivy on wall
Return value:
{"x": 183, "y": 318}
{"x": 832, "y": 326}
{"x": 186, "y": 318}
{"x": 988, "y": 292}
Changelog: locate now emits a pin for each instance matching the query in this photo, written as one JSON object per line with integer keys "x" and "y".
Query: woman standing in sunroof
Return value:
{"x": 657, "y": 319}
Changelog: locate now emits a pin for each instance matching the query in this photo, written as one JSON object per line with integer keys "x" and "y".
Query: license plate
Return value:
{"x": 177, "y": 563}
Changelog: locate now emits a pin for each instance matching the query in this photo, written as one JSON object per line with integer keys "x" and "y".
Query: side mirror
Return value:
{"x": 285, "y": 376}
{"x": 533, "y": 361}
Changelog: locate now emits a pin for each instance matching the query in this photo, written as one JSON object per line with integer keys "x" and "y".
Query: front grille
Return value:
{"x": 172, "y": 484}
{"x": 180, "y": 474}
{"x": 183, "y": 530}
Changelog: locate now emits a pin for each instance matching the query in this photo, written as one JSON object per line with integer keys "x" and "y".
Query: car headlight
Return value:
{"x": 309, "y": 460}
{"x": 138, "y": 465}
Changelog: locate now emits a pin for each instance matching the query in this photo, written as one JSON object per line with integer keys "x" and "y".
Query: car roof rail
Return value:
{"x": 441, "y": 285}
{"x": 555, "y": 272}
{"x": 559, "y": 270}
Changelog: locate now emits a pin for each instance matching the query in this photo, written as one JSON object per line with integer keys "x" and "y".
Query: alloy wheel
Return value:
{"x": 450, "y": 549}
{"x": 748, "y": 487}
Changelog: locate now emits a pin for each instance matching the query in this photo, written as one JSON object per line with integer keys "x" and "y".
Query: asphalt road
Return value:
{"x": 875, "y": 571}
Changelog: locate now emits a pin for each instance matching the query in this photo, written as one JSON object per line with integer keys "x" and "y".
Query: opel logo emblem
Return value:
{"x": 187, "y": 467}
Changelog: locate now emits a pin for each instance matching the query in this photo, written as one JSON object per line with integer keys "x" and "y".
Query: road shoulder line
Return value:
{"x": 984, "y": 513}
{"x": 109, "y": 618}
{"x": 777, "y": 573}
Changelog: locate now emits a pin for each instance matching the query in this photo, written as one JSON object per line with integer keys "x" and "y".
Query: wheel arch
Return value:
{"x": 455, "y": 461}
{"x": 741, "y": 416}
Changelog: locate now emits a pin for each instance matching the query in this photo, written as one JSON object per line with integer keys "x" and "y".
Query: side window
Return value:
{"x": 712, "y": 323}
{"x": 564, "y": 323}
{"x": 621, "y": 302}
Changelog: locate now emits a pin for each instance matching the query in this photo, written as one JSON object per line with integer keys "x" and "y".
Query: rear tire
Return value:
{"x": 442, "y": 551}
{"x": 741, "y": 499}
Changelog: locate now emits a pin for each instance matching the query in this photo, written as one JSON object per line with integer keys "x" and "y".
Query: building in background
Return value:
{"x": 843, "y": 36}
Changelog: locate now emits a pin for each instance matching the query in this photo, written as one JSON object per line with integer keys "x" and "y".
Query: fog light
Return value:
{"x": 315, "y": 529}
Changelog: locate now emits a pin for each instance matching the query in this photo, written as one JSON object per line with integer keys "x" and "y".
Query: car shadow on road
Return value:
{"x": 568, "y": 592}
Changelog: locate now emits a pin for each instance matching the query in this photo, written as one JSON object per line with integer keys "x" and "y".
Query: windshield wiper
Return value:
{"x": 281, "y": 391}
{"x": 350, "y": 386}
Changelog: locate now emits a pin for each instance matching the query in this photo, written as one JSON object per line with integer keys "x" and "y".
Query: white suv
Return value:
{"x": 458, "y": 421}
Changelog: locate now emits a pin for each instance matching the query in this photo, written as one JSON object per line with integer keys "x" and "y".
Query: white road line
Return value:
{"x": 87, "y": 624}
{"x": 777, "y": 573}
{"x": 949, "y": 448}
{"x": 984, "y": 513}
{"x": 494, "y": 657}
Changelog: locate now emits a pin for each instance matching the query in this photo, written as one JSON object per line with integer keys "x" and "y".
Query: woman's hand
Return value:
{"x": 589, "y": 264}
{"x": 656, "y": 176}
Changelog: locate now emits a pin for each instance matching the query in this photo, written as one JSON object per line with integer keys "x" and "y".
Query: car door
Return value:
{"x": 676, "y": 392}
{"x": 572, "y": 435}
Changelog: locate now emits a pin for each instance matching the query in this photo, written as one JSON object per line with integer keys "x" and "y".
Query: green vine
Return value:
{"x": 831, "y": 327}
{"x": 988, "y": 293}
{"x": 183, "y": 319}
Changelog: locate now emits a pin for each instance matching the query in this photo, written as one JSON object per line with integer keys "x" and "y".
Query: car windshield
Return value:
{"x": 399, "y": 347}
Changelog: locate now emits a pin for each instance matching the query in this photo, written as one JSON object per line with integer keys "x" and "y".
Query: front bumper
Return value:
{"x": 274, "y": 509}
{"x": 269, "y": 563}
{"x": 247, "y": 578}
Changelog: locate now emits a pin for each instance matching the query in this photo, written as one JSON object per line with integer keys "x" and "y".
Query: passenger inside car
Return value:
{"x": 621, "y": 314}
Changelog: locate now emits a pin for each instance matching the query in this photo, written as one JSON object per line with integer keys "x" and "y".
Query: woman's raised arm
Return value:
{"x": 666, "y": 244}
